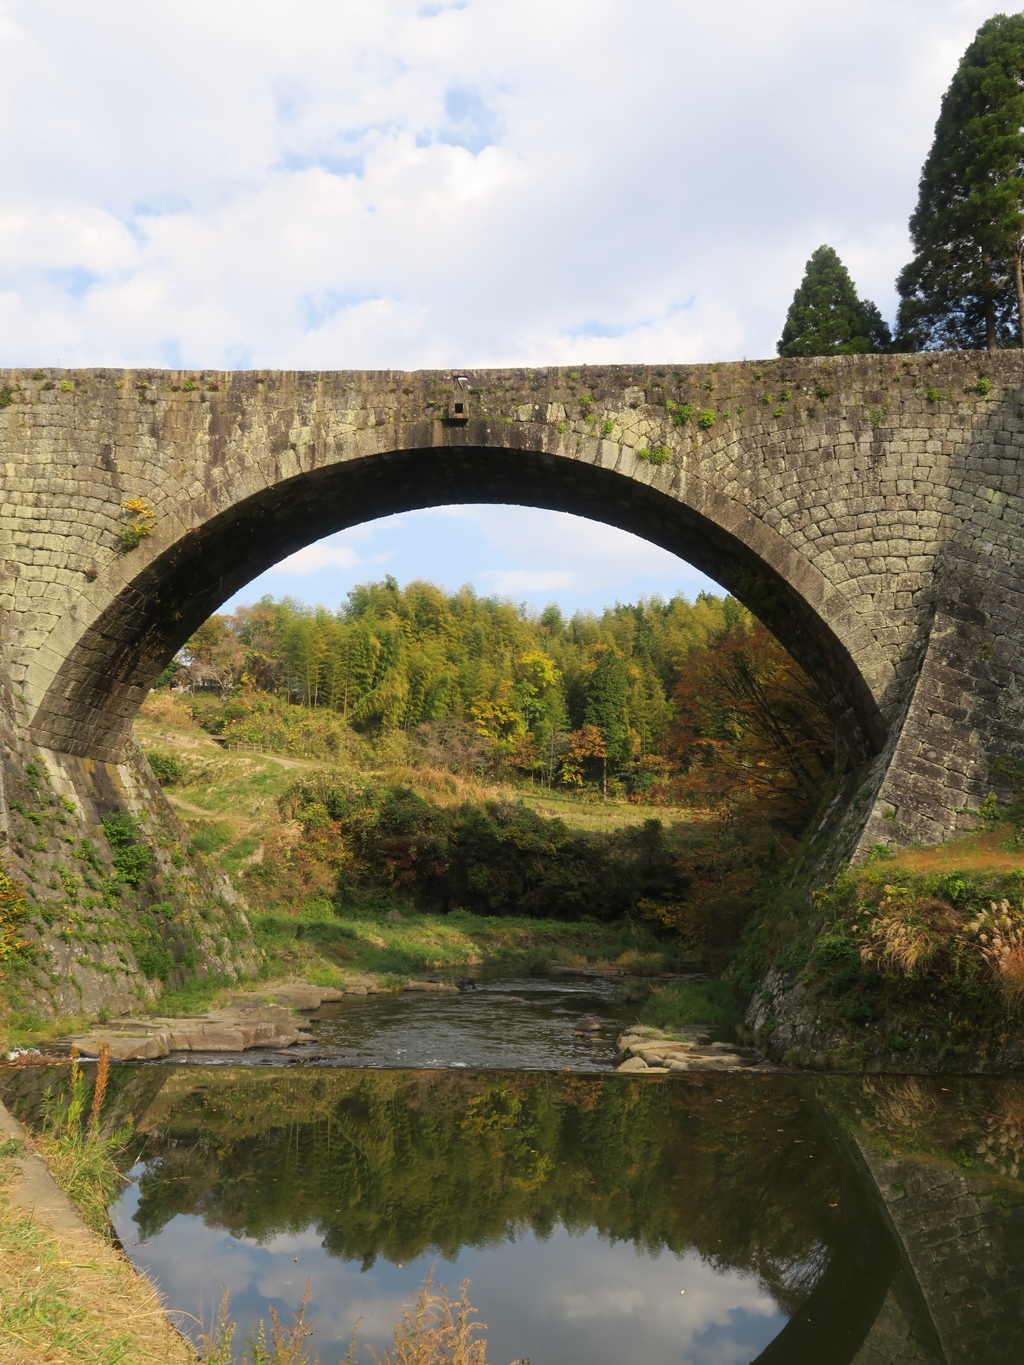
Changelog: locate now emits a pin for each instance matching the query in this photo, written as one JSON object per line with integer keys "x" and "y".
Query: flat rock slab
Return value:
{"x": 437, "y": 986}
{"x": 262, "y": 1018}
{"x": 140, "y": 1042}
{"x": 308, "y": 998}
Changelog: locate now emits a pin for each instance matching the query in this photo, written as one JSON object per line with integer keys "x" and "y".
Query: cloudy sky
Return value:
{"x": 401, "y": 183}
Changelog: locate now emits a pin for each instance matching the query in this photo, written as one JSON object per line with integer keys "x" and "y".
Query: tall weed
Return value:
{"x": 83, "y": 1160}
{"x": 432, "y": 1330}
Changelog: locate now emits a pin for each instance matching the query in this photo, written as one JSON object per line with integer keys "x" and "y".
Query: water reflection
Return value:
{"x": 580, "y": 1206}
{"x": 398, "y": 1164}
{"x": 811, "y": 1220}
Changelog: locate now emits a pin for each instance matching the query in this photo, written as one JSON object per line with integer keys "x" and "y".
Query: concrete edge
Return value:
{"x": 34, "y": 1188}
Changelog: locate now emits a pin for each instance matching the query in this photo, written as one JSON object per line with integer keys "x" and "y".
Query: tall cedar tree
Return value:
{"x": 964, "y": 287}
{"x": 827, "y": 318}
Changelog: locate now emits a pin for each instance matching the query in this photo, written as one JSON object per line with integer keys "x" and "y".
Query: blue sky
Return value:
{"x": 446, "y": 183}
{"x": 527, "y": 554}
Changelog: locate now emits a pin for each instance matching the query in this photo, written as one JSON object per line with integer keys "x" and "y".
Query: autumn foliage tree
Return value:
{"x": 751, "y": 731}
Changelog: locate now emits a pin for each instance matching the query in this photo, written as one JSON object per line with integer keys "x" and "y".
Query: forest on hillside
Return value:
{"x": 660, "y": 701}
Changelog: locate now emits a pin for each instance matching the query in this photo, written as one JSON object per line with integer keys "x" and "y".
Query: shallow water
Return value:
{"x": 513, "y": 1023}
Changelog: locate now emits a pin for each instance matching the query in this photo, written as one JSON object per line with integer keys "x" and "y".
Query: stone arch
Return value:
{"x": 99, "y": 660}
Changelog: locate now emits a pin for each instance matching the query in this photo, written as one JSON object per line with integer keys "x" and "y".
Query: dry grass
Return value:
{"x": 1003, "y": 1144}
{"x": 67, "y": 1298}
{"x": 907, "y": 932}
{"x": 982, "y": 851}
{"x": 1000, "y": 936}
{"x": 166, "y": 708}
{"x": 433, "y": 1330}
{"x": 901, "y": 1102}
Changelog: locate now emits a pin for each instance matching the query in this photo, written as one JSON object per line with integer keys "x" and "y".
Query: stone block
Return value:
{"x": 299, "y": 997}
{"x": 214, "y": 1038}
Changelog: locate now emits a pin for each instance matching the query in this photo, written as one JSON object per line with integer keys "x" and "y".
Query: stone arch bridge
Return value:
{"x": 867, "y": 509}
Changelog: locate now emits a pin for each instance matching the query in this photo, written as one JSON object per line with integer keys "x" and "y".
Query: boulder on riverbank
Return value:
{"x": 646, "y": 1049}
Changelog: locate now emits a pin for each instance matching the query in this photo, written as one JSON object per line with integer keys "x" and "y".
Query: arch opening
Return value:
{"x": 103, "y": 676}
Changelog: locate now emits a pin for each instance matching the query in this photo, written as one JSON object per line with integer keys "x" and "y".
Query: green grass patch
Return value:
{"x": 692, "y": 1002}
{"x": 195, "y": 996}
{"x": 362, "y": 938}
{"x": 210, "y": 836}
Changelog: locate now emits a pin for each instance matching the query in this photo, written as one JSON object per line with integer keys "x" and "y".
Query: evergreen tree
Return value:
{"x": 606, "y": 702}
{"x": 827, "y": 318}
{"x": 964, "y": 286}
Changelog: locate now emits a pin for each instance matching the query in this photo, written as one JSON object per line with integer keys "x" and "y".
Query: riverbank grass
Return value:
{"x": 82, "y": 1158}
{"x": 69, "y": 1299}
{"x": 331, "y": 944}
{"x": 692, "y": 1002}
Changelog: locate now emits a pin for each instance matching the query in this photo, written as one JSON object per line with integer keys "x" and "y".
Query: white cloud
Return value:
{"x": 526, "y": 553}
{"x": 510, "y": 582}
{"x": 321, "y": 555}
{"x": 571, "y": 548}
{"x": 382, "y": 183}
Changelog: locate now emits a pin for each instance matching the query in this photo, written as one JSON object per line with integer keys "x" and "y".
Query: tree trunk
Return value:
{"x": 604, "y": 777}
{"x": 990, "y": 307}
{"x": 1018, "y": 283}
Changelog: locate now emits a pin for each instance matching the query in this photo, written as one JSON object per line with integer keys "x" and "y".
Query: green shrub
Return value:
{"x": 133, "y": 861}
{"x": 167, "y": 768}
{"x": 500, "y": 857}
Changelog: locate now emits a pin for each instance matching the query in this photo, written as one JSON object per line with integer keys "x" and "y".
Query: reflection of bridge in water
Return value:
{"x": 931, "y": 1272}
{"x": 924, "y": 1258}
{"x": 928, "y": 1266}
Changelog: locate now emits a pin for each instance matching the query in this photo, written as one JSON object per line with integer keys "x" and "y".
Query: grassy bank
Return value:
{"x": 692, "y": 1002}
{"x": 333, "y": 943}
{"x": 913, "y": 960}
{"x": 66, "y": 1295}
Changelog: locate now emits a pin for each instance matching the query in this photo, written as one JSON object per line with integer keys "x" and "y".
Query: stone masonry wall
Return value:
{"x": 867, "y": 508}
{"x": 97, "y": 943}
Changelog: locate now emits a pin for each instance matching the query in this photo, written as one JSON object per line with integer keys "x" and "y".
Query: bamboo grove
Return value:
{"x": 659, "y": 700}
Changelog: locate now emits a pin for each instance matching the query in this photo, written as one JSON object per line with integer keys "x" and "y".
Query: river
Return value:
{"x": 705, "y": 1219}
